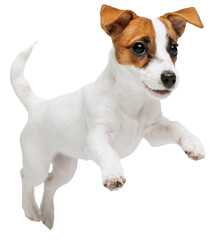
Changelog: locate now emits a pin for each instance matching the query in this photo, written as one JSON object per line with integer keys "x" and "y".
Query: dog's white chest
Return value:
{"x": 128, "y": 136}
{"x": 133, "y": 129}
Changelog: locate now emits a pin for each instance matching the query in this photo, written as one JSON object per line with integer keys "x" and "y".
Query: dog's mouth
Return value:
{"x": 158, "y": 93}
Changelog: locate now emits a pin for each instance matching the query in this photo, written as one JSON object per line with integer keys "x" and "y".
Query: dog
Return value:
{"x": 105, "y": 120}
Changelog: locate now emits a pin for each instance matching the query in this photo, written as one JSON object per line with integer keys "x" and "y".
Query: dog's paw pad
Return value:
{"x": 114, "y": 183}
{"x": 193, "y": 156}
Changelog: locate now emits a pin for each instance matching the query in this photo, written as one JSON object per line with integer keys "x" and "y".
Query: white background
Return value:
{"x": 167, "y": 196}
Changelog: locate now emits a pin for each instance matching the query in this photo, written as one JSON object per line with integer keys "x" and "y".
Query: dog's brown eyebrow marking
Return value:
{"x": 171, "y": 41}
{"x": 146, "y": 39}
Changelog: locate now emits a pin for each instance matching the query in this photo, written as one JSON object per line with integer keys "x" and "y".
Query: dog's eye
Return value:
{"x": 174, "y": 50}
{"x": 138, "y": 48}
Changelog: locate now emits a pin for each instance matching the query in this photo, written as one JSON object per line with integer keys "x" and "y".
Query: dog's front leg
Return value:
{"x": 100, "y": 150}
{"x": 165, "y": 131}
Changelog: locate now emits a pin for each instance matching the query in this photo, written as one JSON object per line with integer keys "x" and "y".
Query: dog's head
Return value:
{"x": 148, "y": 48}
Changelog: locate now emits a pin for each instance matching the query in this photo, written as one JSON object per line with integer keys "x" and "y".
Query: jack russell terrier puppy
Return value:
{"x": 105, "y": 120}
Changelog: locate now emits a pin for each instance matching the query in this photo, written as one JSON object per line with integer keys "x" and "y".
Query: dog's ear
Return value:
{"x": 113, "y": 20}
{"x": 180, "y": 18}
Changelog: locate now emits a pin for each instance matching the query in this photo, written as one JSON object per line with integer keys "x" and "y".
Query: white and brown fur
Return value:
{"x": 103, "y": 121}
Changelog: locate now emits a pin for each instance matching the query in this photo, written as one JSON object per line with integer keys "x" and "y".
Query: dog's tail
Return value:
{"x": 20, "y": 85}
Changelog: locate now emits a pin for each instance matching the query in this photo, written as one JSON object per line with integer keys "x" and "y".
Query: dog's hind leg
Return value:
{"x": 63, "y": 171}
{"x": 32, "y": 174}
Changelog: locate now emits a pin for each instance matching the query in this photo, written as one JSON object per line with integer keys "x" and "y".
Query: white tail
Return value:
{"x": 20, "y": 85}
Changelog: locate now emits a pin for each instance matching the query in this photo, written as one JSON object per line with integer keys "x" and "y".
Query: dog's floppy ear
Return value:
{"x": 113, "y": 20}
{"x": 180, "y": 18}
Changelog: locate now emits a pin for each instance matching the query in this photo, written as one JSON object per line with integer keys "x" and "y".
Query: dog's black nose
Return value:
{"x": 168, "y": 79}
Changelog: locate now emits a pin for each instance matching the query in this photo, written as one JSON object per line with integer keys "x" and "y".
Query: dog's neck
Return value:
{"x": 124, "y": 86}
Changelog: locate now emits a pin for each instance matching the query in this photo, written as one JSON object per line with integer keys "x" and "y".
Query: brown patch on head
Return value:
{"x": 126, "y": 29}
{"x": 139, "y": 30}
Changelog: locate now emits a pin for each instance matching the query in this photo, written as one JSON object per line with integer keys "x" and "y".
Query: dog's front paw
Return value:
{"x": 114, "y": 183}
{"x": 193, "y": 147}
